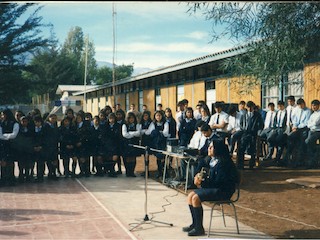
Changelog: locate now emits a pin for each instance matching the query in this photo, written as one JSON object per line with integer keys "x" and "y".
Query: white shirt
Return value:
{"x": 293, "y": 110}
{"x": 234, "y": 122}
{"x": 15, "y": 131}
{"x": 196, "y": 142}
{"x": 131, "y": 134}
{"x": 268, "y": 123}
{"x": 165, "y": 129}
{"x": 280, "y": 116}
{"x": 314, "y": 121}
{"x": 223, "y": 118}
{"x": 213, "y": 162}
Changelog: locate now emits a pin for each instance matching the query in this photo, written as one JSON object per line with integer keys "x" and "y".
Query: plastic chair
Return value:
{"x": 229, "y": 202}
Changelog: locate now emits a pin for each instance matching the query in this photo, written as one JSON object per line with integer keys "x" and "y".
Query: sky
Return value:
{"x": 148, "y": 34}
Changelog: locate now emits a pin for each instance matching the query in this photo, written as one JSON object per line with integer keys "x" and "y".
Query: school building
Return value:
{"x": 199, "y": 79}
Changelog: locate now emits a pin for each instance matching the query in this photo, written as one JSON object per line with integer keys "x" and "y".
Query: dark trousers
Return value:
{"x": 313, "y": 153}
{"x": 247, "y": 141}
{"x": 296, "y": 141}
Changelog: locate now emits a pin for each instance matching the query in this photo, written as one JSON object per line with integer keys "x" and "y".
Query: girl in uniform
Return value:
{"x": 131, "y": 132}
{"x": 120, "y": 116}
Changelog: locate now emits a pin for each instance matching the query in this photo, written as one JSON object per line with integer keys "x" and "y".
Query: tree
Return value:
{"x": 104, "y": 74}
{"x": 281, "y": 37}
{"x": 17, "y": 42}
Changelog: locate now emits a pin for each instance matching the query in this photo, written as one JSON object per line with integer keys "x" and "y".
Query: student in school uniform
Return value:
{"x": 120, "y": 115}
{"x": 131, "y": 132}
{"x": 159, "y": 132}
{"x": 38, "y": 146}
{"x": 50, "y": 144}
{"x": 23, "y": 148}
{"x": 10, "y": 130}
{"x": 205, "y": 114}
{"x": 145, "y": 123}
{"x": 172, "y": 123}
{"x": 82, "y": 133}
{"x": 67, "y": 147}
{"x": 187, "y": 128}
{"x": 219, "y": 121}
{"x": 112, "y": 140}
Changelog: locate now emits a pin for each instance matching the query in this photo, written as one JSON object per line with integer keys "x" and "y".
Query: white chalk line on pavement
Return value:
{"x": 275, "y": 216}
{"x": 107, "y": 211}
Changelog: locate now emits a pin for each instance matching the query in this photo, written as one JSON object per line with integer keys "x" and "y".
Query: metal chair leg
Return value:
{"x": 222, "y": 211}
{"x": 236, "y": 218}
{"x": 211, "y": 219}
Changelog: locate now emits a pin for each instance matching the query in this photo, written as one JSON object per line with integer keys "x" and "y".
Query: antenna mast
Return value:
{"x": 113, "y": 54}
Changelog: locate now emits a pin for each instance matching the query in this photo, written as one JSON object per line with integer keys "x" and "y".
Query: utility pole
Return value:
{"x": 113, "y": 54}
{"x": 85, "y": 76}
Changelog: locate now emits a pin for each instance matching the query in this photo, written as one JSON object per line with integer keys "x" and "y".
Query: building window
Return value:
{"x": 140, "y": 100}
{"x": 210, "y": 93}
{"x": 127, "y": 102}
{"x": 180, "y": 92}
{"x": 158, "y": 96}
{"x": 290, "y": 85}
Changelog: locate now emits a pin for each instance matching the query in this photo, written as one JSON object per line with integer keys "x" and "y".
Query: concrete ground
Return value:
{"x": 104, "y": 208}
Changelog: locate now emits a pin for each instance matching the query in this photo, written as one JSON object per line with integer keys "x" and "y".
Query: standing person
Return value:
{"x": 187, "y": 128}
{"x": 196, "y": 113}
{"x": 250, "y": 123}
{"x": 131, "y": 132}
{"x": 67, "y": 147}
{"x": 112, "y": 140}
{"x": 120, "y": 115}
{"x": 38, "y": 146}
{"x": 160, "y": 108}
{"x": 313, "y": 135}
{"x": 180, "y": 115}
{"x": 82, "y": 151}
{"x": 159, "y": 131}
{"x": 24, "y": 150}
{"x": 135, "y": 111}
{"x": 70, "y": 115}
{"x": 205, "y": 114}
{"x": 96, "y": 147}
{"x": 10, "y": 130}
{"x": 172, "y": 123}
{"x": 218, "y": 185}
{"x": 50, "y": 144}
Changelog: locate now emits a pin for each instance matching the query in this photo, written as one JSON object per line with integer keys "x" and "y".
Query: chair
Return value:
{"x": 229, "y": 202}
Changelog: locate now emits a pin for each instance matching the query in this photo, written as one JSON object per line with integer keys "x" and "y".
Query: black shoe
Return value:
{"x": 196, "y": 232}
{"x": 187, "y": 229}
{"x": 119, "y": 172}
{"x": 112, "y": 174}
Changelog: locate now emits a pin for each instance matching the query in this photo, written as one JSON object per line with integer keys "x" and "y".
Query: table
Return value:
{"x": 177, "y": 156}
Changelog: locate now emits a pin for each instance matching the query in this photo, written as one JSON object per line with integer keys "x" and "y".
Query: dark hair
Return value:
{"x": 250, "y": 104}
{"x": 9, "y": 115}
{"x": 163, "y": 119}
{"x": 96, "y": 117}
{"x": 70, "y": 110}
{"x": 271, "y": 104}
{"x": 121, "y": 113}
{"x": 200, "y": 123}
{"x": 205, "y": 128}
{"x": 38, "y": 118}
{"x": 232, "y": 110}
{"x": 315, "y": 102}
{"x": 292, "y": 98}
{"x": 190, "y": 110}
{"x": 131, "y": 115}
{"x": 206, "y": 109}
{"x": 221, "y": 149}
{"x": 112, "y": 115}
{"x": 242, "y": 102}
{"x": 300, "y": 101}
{"x": 88, "y": 115}
{"x": 142, "y": 121}
{"x": 218, "y": 105}
{"x": 281, "y": 102}
{"x": 185, "y": 101}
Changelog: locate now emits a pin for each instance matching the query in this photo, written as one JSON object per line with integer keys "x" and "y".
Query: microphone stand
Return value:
{"x": 146, "y": 218}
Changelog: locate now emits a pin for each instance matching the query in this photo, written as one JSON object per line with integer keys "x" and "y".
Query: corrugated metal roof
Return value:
{"x": 187, "y": 64}
{"x": 73, "y": 88}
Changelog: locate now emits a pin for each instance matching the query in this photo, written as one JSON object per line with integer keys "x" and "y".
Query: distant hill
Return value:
{"x": 136, "y": 71}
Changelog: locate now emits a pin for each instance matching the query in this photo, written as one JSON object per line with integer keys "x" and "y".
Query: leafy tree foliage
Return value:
{"x": 104, "y": 74}
{"x": 17, "y": 41}
{"x": 282, "y": 37}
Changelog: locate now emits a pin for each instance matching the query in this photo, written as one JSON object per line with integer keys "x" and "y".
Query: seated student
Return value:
{"x": 313, "y": 135}
{"x": 219, "y": 184}
{"x": 250, "y": 123}
{"x": 205, "y": 114}
{"x": 197, "y": 141}
{"x": 234, "y": 129}
{"x": 298, "y": 135}
{"x": 268, "y": 124}
{"x": 219, "y": 121}
{"x": 277, "y": 137}
{"x": 172, "y": 123}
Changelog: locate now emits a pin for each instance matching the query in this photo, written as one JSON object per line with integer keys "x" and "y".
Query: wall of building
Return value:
{"x": 149, "y": 100}
{"x": 230, "y": 90}
{"x": 169, "y": 97}
{"x": 311, "y": 76}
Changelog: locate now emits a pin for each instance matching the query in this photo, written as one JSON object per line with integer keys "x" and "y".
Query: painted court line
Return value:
{"x": 107, "y": 211}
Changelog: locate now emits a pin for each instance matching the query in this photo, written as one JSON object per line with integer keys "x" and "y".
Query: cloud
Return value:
{"x": 198, "y": 35}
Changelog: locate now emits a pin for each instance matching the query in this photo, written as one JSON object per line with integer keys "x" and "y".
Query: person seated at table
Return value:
{"x": 218, "y": 182}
